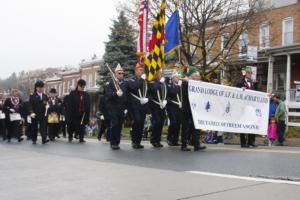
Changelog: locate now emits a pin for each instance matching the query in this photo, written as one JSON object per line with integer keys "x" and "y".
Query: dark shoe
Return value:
{"x": 34, "y": 142}
{"x": 115, "y": 147}
{"x": 70, "y": 139}
{"x": 99, "y": 138}
{"x": 176, "y": 144}
{"x": 58, "y": 136}
{"x": 76, "y": 137}
{"x": 245, "y": 146}
{"x": 82, "y": 141}
{"x": 198, "y": 148}
{"x": 52, "y": 140}
{"x": 253, "y": 145}
{"x": 8, "y": 140}
{"x": 170, "y": 143}
{"x": 137, "y": 146}
{"x": 20, "y": 139}
{"x": 45, "y": 141}
{"x": 185, "y": 149}
{"x": 155, "y": 145}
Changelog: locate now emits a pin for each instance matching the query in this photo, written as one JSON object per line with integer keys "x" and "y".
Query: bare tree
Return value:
{"x": 202, "y": 25}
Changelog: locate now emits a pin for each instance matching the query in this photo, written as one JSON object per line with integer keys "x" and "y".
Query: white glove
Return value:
{"x": 162, "y": 80}
{"x": 125, "y": 111}
{"x": 47, "y": 106}
{"x": 144, "y": 101}
{"x": 164, "y": 103}
{"x": 101, "y": 117}
{"x": 33, "y": 115}
{"x": 12, "y": 110}
{"x": 144, "y": 76}
{"x": 179, "y": 82}
{"x": 120, "y": 93}
{"x": 180, "y": 105}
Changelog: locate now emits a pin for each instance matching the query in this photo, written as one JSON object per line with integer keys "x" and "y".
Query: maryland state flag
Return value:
{"x": 155, "y": 60}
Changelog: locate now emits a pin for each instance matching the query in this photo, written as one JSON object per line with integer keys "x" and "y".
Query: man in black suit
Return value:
{"x": 78, "y": 110}
{"x": 2, "y": 119}
{"x": 116, "y": 99}
{"x": 38, "y": 106}
{"x": 137, "y": 103}
{"x": 158, "y": 103}
{"x": 246, "y": 83}
{"x": 13, "y": 108}
{"x": 104, "y": 118}
{"x": 173, "y": 108}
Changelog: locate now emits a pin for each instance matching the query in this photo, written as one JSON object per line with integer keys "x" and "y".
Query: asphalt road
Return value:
{"x": 62, "y": 170}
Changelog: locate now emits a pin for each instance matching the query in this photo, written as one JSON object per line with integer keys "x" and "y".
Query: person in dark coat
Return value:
{"x": 38, "y": 103}
{"x": 53, "y": 114}
{"x": 13, "y": 111}
{"x": 78, "y": 110}
{"x": 116, "y": 99}
{"x": 188, "y": 131}
{"x": 174, "y": 106}
{"x": 157, "y": 95}
{"x": 66, "y": 105}
{"x": 246, "y": 83}
{"x": 2, "y": 119}
{"x": 104, "y": 117}
{"x": 137, "y": 104}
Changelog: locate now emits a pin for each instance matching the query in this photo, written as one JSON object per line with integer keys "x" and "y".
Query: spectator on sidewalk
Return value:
{"x": 280, "y": 116}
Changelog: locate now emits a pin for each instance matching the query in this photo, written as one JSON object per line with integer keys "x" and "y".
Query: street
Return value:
{"x": 62, "y": 170}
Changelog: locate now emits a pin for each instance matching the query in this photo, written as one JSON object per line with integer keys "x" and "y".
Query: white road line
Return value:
{"x": 244, "y": 178}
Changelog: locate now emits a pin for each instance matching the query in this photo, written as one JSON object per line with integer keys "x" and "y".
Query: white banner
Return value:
{"x": 228, "y": 109}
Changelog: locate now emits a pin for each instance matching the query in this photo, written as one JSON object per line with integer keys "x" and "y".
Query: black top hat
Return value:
{"x": 52, "y": 90}
{"x": 39, "y": 83}
{"x": 81, "y": 82}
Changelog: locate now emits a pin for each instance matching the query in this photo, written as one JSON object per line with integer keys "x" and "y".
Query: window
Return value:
{"x": 224, "y": 41}
{"x": 96, "y": 77}
{"x": 91, "y": 81}
{"x": 244, "y": 44}
{"x": 208, "y": 45}
{"x": 287, "y": 31}
{"x": 73, "y": 82}
{"x": 264, "y": 36}
{"x": 65, "y": 87}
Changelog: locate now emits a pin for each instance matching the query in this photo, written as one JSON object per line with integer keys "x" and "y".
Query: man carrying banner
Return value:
{"x": 188, "y": 131}
{"x": 174, "y": 106}
{"x": 116, "y": 98}
{"x": 158, "y": 95}
{"x": 137, "y": 100}
{"x": 246, "y": 83}
{"x": 78, "y": 110}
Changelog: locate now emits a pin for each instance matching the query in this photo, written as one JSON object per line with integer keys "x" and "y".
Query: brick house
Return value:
{"x": 272, "y": 45}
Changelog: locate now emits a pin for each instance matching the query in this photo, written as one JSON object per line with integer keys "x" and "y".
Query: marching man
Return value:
{"x": 173, "y": 108}
{"x": 13, "y": 110}
{"x": 53, "y": 114}
{"x": 78, "y": 110}
{"x": 158, "y": 95}
{"x": 116, "y": 99}
{"x": 38, "y": 103}
{"x": 137, "y": 88}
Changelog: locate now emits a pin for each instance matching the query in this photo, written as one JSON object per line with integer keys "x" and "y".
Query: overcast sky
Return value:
{"x": 52, "y": 33}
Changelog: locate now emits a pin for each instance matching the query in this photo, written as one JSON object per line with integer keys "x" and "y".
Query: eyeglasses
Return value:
{"x": 120, "y": 73}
